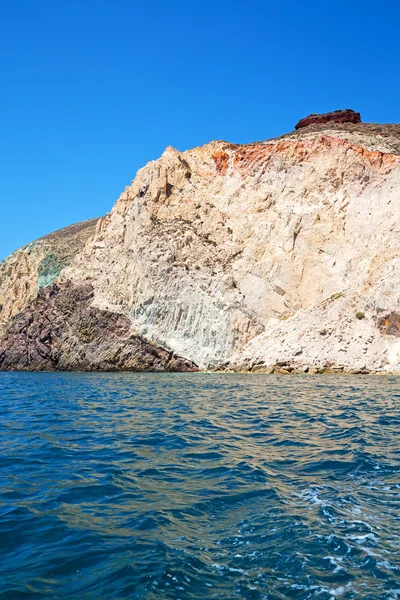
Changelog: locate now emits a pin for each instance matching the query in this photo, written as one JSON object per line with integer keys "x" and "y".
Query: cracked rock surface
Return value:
{"x": 236, "y": 256}
{"x": 38, "y": 265}
{"x": 60, "y": 330}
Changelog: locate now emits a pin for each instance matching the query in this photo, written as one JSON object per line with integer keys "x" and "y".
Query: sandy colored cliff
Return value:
{"x": 282, "y": 253}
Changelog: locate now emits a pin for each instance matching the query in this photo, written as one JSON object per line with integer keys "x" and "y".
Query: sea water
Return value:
{"x": 189, "y": 486}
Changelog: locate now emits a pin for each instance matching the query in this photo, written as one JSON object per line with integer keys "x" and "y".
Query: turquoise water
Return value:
{"x": 201, "y": 486}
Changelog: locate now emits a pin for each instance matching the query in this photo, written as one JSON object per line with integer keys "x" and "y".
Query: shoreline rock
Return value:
{"x": 284, "y": 252}
{"x": 61, "y": 331}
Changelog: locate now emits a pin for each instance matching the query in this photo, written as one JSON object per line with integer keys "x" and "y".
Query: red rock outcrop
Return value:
{"x": 221, "y": 162}
{"x": 338, "y": 116}
{"x": 249, "y": 159}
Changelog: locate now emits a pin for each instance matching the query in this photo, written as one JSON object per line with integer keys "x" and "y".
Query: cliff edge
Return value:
{"x": 278, "y": 255}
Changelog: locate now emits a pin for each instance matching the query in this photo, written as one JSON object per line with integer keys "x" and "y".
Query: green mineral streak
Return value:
{"x": 49, "y": 270}
{"x": 30, "y": 247}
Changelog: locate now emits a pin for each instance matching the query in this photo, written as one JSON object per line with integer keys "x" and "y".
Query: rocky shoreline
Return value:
{"x": 61, "y": 331}
{"x": 280, "y": 256}
{"x": 305, "y": 370}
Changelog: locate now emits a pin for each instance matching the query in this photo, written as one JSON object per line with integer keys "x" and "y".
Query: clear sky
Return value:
{"x": 93, "y": 89}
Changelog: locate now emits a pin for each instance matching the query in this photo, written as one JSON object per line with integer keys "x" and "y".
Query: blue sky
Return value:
{"x": 92, "y": 89}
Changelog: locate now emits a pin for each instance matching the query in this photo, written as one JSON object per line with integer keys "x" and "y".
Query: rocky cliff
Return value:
{"x": 38, "y": 265}
{"x": 275, "y": 255}
{"x": 60, "y": 330}
{"x": 338, "y": 116}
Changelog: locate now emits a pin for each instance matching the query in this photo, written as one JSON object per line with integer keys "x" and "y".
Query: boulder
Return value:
{"x": 338, "y": 116}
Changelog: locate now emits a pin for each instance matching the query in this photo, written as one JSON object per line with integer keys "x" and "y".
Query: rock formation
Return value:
{"x": 60, "y": 330}
{"x": 38, "y": 265}
{"x": 338, "y": 116}
{"x": 257, "y": 257}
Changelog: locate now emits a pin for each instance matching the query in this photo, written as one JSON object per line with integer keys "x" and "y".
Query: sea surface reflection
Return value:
{"x": 188, "y": 486}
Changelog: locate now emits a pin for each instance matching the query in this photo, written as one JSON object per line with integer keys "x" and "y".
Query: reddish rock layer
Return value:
{"x": 221, "y": 162}
{"x": 338, "y": 116}
{"x": 250, "y": 158}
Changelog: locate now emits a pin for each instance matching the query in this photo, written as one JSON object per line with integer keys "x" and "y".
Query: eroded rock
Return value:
{"x": 38, "y": 265}
{"x": 338, "y": 116}
{"x": 390, "y": 324}
{"x": 60, "y": 330}
{"x": 248, "y": 255}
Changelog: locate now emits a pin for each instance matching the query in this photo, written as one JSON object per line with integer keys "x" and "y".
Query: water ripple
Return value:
{"x": 196, "y": 486}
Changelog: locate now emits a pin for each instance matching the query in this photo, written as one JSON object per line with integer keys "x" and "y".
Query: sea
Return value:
{"x": 198, "y": 486}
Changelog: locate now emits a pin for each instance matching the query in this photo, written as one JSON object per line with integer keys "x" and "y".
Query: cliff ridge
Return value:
{"x": 246, "y": 256}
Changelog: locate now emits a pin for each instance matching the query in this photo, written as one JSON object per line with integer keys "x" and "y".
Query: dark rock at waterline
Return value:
{"x": 61, "y": 331}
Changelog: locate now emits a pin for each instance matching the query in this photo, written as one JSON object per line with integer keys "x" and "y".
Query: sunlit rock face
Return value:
{"x": 38, "y": 265}
{"x": 338, "y": 116}
{"x": 60, "y": 330}
{"x": 240, "y": 256}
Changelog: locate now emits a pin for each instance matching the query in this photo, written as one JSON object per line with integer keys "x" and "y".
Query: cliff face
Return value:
{"x": 60, "y": 330}
{"x": 247, "y": 256}
{"x": 38, "y": 265}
